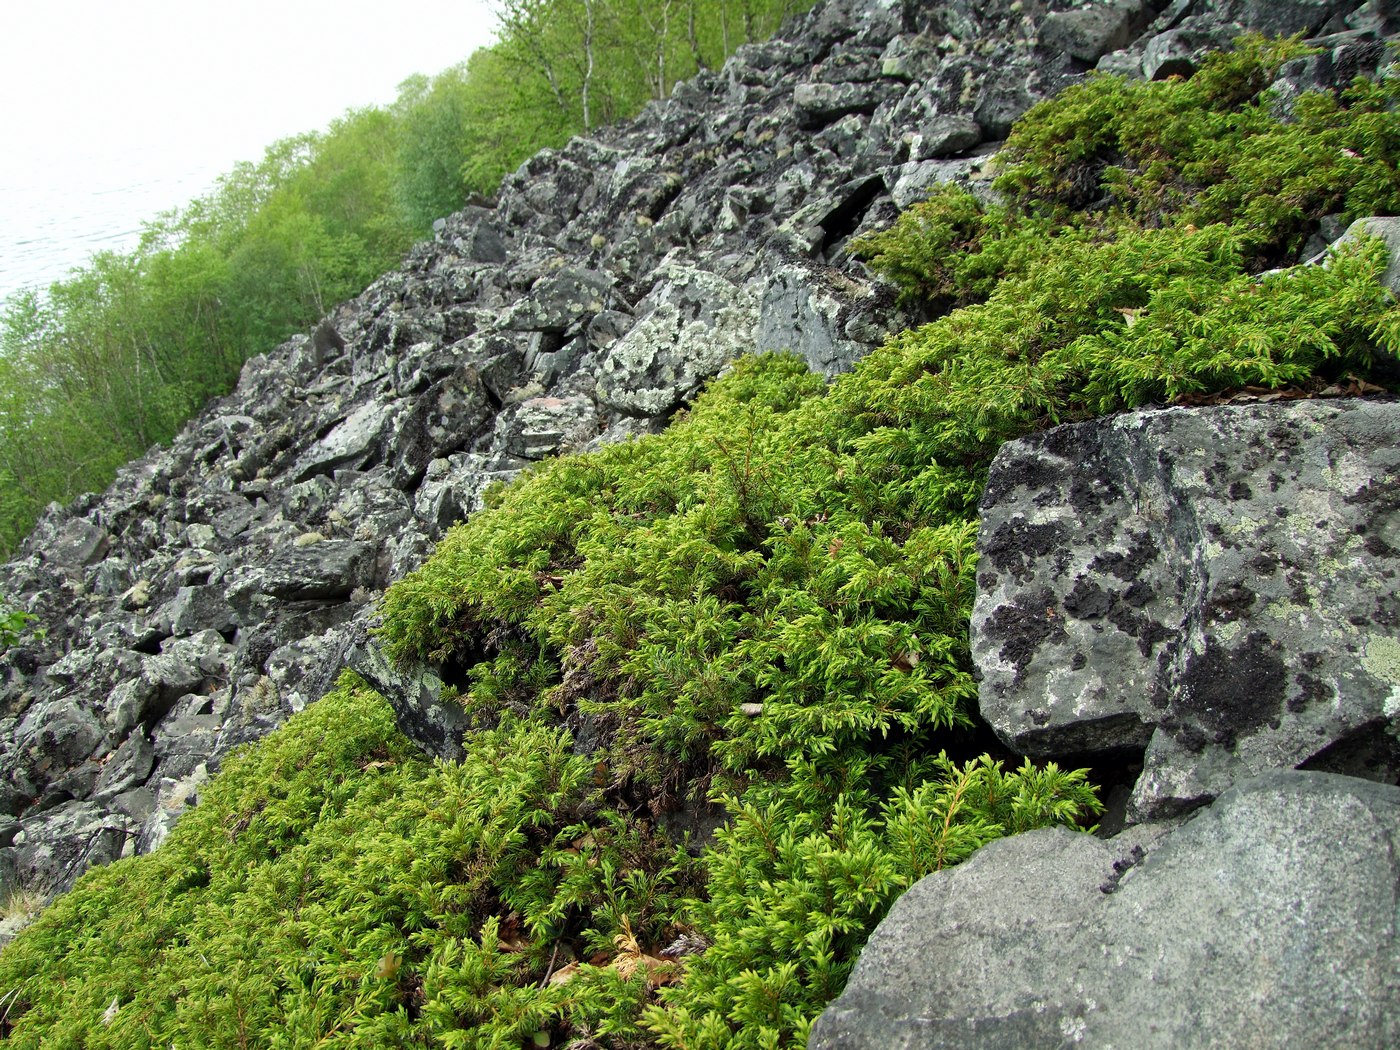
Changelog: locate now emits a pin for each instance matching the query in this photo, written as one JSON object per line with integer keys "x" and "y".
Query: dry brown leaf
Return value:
{"x": 564, "y": 974}
{"x": 906, "y": 661}
{"x": 658, "y": 971}
{"x": 632, "y": 958}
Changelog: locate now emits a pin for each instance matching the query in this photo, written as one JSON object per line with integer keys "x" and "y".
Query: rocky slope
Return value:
{"x": 219, "y": 585}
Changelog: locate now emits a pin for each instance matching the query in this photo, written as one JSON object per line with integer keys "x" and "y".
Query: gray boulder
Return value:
{"x": 317, "y": 569}
{"x": 944, "y": 136}
{"x": 196, "y": 608}
{"x": 1217, "y": 585}
{"x": 807, "y": 311}
{"x": 1388, "y": 230}
{"x": 1178, "y": 52}
{"x": 540, "y": 427}
{"x": 1269, "y": 920}
{"x": 690, "y": 325}
{"x": 423, "y": 715}
{"x": 351, "y": 443}
{"x": 78, "y": 545}
{"x": 442, "y": 420}
{"x": 472, "y": 236}
{"x": 560, "y": 301}
{"x": 1287, "y": 17}
{"x": 819, "y": 104}
{"x": 55, "y": 846}
{"x": 1086, "y": 33}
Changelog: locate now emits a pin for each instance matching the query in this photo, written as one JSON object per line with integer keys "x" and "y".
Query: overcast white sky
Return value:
{"x": 95, "y": 95}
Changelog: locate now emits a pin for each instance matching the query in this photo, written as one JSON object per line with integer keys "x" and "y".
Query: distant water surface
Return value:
{"x": 56, "y": 213}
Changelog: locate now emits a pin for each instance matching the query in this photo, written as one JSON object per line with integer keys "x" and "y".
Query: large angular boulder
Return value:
{"x": 351, "y": 443}
{"x": 1216, "y": 585}
{"x": 1268, "y": 920}
{"x": 1086, "y": 33}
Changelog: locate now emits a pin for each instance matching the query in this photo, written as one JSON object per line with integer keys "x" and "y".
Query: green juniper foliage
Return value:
{"x": 762, "y": 610}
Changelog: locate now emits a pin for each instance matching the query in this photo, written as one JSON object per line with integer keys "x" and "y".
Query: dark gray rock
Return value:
{"x": 172, "y": 797}
{"x": 56, "y": 735}
{"x": 819, "y": 104}
{"x": 183, "y": 666}
{"x": 1267, "y": 920}
{"x": 78, "y": 545}
{"x": 317, "y": 569}
{"x": 912, "y": 182}
{"x": 1218, "y": 585}
{"x": 194, "y": 609}
{"x": 187, "y": 737}
{"x": 126, "y": 768}
{"x": 472, "y": 236}
{"x": 1352, "y": 54}
{"x": 1087, "y": 33}
{"x": 944, "y": 136}
{"x": 444, "y": 419}
{"x": 1178, "y": 52}
{"x": 436, "y": 725}
{"x": 453, "y": 488}
{"x": 1287, "y": 17}
{"x": 351, "y": 443}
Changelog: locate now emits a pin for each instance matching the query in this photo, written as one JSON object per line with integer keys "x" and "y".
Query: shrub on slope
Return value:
{"x": 765, "y": 606}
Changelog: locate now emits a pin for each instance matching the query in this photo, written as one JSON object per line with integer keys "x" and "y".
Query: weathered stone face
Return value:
{"x": 1267, "y": 920}
{"x": 688, "y": 328}
{"x": 1215, "y": 585}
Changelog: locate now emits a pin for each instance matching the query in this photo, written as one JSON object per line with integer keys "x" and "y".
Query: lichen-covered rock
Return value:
{"x": 1217, "y": 585}
{"x": 1087, "y": 33}
{"x": 1387, "y": 229}
{"x": 351, "y": 443}
{"x": 559, "y": 301}
{"x": 819, "y": 104}
{"x": 810, "y": 312}
{"x": 689, "y": 327}
{"x": 423, "y": 714}
{"x": 1270, "y": 919}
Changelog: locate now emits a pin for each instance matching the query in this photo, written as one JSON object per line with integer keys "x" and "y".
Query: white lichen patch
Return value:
{"x": 1382, "y": 658}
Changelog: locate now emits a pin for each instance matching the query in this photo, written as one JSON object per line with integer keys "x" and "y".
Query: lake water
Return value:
{"x": 56, "y": 213}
